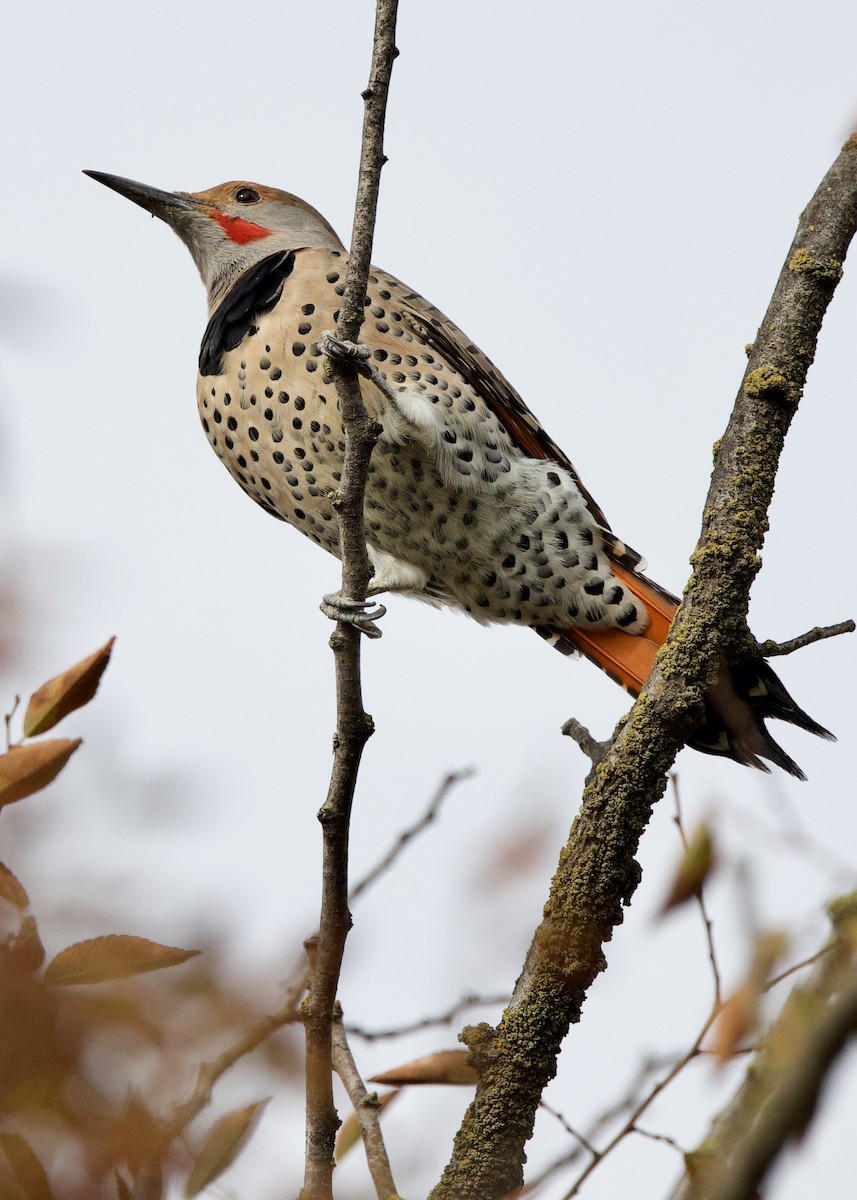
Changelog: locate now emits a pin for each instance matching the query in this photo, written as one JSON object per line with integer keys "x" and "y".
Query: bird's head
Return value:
{"x": 232, "y": 226}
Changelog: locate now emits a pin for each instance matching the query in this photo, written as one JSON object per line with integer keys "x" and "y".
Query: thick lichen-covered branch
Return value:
{"x": 597, "y": 873}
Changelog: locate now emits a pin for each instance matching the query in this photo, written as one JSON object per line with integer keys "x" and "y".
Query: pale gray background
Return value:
{"x": 602, "y": 196}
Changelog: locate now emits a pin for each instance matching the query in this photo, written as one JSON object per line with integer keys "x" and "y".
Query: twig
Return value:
{"x": 209, "y": 1073}
{"x": 593, "y": 749}
{"x": 799, "y": 966}
{"x": 367, "y": 1107}
{"x": 631, "y": 1123}
{"x": 664, "y": 1138}
{"x": 700, "y": 899}
{"x": 772, "y": 649}
{"x": 445, "y": 1018}
{"x": 407, "y": 835}
{"x": 353, "y": 726}
{"x": 575, "y": 1133}
{"x": 627, "y": 1102}
{"x": 597, "y": 873}
{"x": 147, "y": 1176}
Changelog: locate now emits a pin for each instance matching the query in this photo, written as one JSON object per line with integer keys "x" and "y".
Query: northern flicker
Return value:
{"x": 469, "y": 502}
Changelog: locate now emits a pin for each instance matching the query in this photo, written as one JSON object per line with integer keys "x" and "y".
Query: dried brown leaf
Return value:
{"x": 739, "y": 1016}
{"x": 349, "y": 1132}
{"x": 693, "y": 870}
{"x": 737, "y": 1020}
{"x": 114, "y": 956}
{"x": 28, "y": 1171}
{"x": 11, "y": 889}
{"x": 136, "y": 1135}
{"x": 66, "y": 692}
{"x": 222, "y": 1144}
{"x": 446, "y": 1066}
{"x": 26, "y": 952}
{"x": 28, "y": 769}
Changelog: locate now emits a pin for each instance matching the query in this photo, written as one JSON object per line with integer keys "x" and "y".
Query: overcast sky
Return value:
{"x": 601, "y": 196}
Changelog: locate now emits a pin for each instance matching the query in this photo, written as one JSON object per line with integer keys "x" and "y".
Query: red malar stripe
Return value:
{"x": 238, "y": 230}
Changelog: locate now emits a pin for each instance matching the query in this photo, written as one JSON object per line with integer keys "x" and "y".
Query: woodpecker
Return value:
{"x": 469, "y": 502}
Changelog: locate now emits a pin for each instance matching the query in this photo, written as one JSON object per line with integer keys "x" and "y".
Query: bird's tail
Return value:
{"x": 737, "y": 704}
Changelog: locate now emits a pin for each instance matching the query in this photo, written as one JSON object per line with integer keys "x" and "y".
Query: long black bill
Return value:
{"x": 159, "y": 203}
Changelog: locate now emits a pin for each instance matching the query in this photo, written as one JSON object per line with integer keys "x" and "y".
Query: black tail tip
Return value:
{"x": 737, "y": 707}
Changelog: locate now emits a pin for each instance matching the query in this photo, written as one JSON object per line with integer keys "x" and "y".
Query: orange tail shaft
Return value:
{"x": 625, "y": 657}
{"x": 737, "y": 703}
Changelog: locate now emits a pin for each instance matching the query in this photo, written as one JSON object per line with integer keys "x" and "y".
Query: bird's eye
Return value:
{"x": 247, "y": 195}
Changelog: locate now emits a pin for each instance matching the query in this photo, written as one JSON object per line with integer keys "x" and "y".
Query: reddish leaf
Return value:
{"x": 28, "y": 769}
{"x": 221, "y": 1146}
{"x": 11, "y": 889}
{"x": 112, "y": 957}
{"x": 64, "y": 693}
{"x": 349, "y": 1132}
{"x": 26, "y": 1167}
{"x": 446, "y": 1066}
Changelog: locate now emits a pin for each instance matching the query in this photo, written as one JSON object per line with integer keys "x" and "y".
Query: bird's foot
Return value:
{"x": 358, "y": 355}
{"x": 342, "y": 351}
{"x": 361, "y": 614}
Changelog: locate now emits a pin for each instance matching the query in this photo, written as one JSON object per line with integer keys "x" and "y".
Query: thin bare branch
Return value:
{"x": 664, "y": 1138}
{"x": 700, "y": 900}
{"x": 597, "y": 873}
{"x": 772, "y": 649}
{"x": 407, "y": 835}
{"x": 353, "y": 726}
{"x": 569, "y": 1128}
{"x": 445, "y": 1018}
{"x": 799, "y": 966}
{"x": 631, "y": 1123}
{"x": 367, "y": 1107}
{"x": 629, "y": 1101}
{"x": 209, "y": 1073}
{"x": 147, "y": 1177}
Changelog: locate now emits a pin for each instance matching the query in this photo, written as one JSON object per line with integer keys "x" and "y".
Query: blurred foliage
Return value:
{"x": 89, "y": 1053}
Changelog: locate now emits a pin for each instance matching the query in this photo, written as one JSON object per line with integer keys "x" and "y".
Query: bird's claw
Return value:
{"x": 342, "y": 351}
{"x": 361, "y": 614}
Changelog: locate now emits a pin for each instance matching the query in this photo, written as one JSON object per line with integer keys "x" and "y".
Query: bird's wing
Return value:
{"x": 627, "y": 658}
{"x": 524, "y": 428}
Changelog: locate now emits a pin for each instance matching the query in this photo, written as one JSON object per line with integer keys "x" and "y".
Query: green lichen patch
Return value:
{"x": 766, "y": 383}
{"x": 804, "y": 263}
